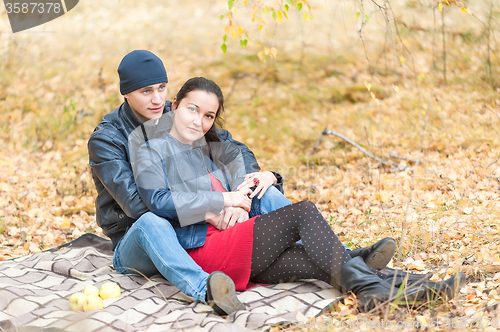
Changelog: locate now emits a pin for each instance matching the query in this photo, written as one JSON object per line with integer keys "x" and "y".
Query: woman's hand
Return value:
{"x": 227, "y": 218}
{"x": 265, "y": 180}
{"x": 232, "y": 216}
{"x": 238, "y": 198}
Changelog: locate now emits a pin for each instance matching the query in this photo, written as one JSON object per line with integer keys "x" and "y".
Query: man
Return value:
{"x": 146, "y": 242}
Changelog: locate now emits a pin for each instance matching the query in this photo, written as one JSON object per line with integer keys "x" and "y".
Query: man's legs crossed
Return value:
{"x": 151, "y": 246}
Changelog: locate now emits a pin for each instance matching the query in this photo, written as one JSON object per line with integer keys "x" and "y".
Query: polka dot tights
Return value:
{"x": 276, "y": 257}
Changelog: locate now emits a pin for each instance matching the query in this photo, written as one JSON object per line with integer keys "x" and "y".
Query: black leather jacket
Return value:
{"x": 118, "y": 204}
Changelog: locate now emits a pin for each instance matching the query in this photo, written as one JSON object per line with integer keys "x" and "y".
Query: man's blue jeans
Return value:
{"x": 151, "y": 246}
{"x": 272, "y": 200}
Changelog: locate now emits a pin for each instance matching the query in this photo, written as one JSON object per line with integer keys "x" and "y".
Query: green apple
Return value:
{"x": 77, "y": 300}
{"x": 92, "y": 302}
{"x": 110, "y": 290}
{"x": 91, "y": 290}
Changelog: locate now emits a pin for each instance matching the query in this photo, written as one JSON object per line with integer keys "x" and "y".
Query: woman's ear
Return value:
{"x": 174, "y": 104}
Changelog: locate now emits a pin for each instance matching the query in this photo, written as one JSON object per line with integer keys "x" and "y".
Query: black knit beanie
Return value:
{"x": 138, "y": 69}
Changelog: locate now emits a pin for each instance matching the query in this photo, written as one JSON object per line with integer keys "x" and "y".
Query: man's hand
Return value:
{"x": 266, "y": 179}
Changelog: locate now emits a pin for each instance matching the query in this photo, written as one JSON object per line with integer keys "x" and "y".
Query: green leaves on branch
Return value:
{"x": 243, "y": 43}
{"x": 367, "y": 18}
{"x": 262, "y": 10}
{"x": 224, "y": 46}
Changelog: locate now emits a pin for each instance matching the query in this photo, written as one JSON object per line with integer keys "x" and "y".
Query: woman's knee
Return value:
{"x": 307, "y": 213}
{"x": 306, "y": 205}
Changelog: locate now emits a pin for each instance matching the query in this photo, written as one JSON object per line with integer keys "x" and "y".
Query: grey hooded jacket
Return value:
{"x": 173, "y": 178}
{"x": 118, "y": 204}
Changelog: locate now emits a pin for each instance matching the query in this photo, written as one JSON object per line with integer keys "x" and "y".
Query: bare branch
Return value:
{"x": 444, "y": 46}
{"x": 395, "y": 156}
{"x": 318, "y": 142}
{"x": 360, "y": 34}
{"x": 492, "y": 162}
{"x": 329, "y": 132}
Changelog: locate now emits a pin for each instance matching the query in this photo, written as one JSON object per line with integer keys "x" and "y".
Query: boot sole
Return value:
{"x": 224, "y": 293}
{"x": 381, "y": 256}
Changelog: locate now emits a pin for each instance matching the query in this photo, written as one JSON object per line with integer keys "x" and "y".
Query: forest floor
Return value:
{"x": 437, "y": 194}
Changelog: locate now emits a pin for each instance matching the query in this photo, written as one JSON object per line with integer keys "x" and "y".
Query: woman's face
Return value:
{"x": 194, "y": 115}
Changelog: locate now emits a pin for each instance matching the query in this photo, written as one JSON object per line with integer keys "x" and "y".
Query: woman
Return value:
{"x": 185, "y": 174}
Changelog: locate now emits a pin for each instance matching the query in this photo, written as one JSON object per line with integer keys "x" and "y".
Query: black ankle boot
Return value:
{"x": 445, "y": 290}
{"x": 401, "y": 276}
{"x": 378, "y": 255}
{"x": 370, "y": 290}
{"x": 358, "y": 278}
{"x": 221, "y": 294}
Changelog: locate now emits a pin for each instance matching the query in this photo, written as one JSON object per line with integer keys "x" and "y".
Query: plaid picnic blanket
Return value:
{"x": 35, "y": 291}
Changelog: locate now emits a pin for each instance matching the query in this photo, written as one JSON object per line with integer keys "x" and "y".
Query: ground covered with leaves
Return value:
{"x": 434, "y": 185}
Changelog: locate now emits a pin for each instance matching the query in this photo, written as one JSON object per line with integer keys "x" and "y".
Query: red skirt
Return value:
{"x": 229, "y": 251}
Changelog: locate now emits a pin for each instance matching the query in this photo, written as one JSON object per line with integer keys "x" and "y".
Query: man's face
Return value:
{"x": 148, "y": 102}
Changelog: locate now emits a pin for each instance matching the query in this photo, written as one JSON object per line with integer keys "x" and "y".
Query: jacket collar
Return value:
{"x": 128, "y": 115}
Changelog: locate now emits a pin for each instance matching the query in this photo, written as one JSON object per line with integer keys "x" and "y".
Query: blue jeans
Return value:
{"x": 272, "y": 200}
{"x": 151, "y": 246}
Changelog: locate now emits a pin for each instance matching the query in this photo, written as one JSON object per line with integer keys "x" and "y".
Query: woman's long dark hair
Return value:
{"x": 213, "y": 148}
